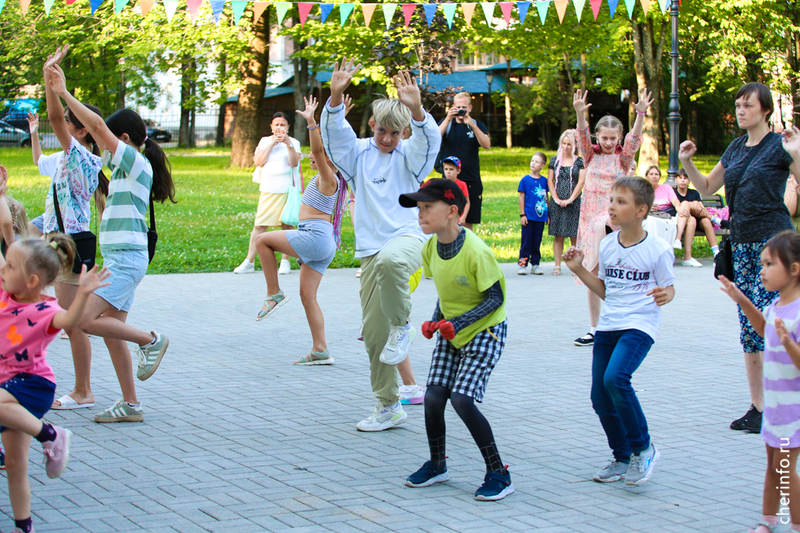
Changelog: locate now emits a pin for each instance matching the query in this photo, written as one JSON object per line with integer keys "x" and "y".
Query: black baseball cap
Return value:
{"x": 437, "y": 189}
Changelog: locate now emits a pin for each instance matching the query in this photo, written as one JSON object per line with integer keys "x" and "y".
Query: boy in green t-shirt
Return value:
{"x": 471, "y": 319}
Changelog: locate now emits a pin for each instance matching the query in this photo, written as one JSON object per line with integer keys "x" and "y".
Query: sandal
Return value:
{"x": 770, "y": 527}
{"x": 316, "y": 358}
{"x": 278, "y": 299}
{"x": 556, "y": 271}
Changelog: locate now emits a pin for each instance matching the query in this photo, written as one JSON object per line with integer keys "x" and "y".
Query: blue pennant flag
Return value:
{"x": 324, "y": 11}
{"x": 523, "y": 11}
{"x": 430, "y": 11}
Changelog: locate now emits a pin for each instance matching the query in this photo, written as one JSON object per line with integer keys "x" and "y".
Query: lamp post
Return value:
{"x": 674, "y": 116}
{"x": 489, "y": 80}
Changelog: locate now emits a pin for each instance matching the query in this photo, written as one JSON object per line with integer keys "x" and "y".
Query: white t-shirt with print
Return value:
{"x": 276, "y": 173}
{"x": 629, "y": 274}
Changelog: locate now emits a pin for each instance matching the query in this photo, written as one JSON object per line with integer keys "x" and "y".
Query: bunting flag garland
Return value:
{"x": 388, "y": 13}
{"x": 469, "y": 10}
{"x": 49, "y": 3}
{"x": 344, "y": 13}
{"x": 193, "y": 6}
{"x": 368, "y": 10}
{"x": 505, "y": 8}
{"x": 408, "y": 11}
{"x": 561, "y": 9}
{"x": 595, "y": 7}
{"x": 488, "y": 11}
{"x": 304, "y": 8}
{"x": 612, "y": 7}
{"x": 94, "y": 4}
{"x": 629, "y": 6}
{"x": 430, "y": 12}
{"x": 216, "y": 8}
{"x": 118, "y": 6}
{"x": 324, "y": 11}
{"x": 645, "y": 6}
{"x": 523, "y": 7}
{"x": 70, "y": 2}
{"x": 448, "y": 8}
{"x": 2, "y": 3}
{"x": 541, "y": 7}
{"x": 281, "y": 8}
{"x": 238, "y": 9}
{"x": 258, "y": 9}
{"x": 579, "y": 5}
{"x": 665, "y": 5}
{"x": 169, "y": 6}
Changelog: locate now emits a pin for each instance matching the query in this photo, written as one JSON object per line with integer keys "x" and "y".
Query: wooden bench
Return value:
{"x": 716, "y": 201}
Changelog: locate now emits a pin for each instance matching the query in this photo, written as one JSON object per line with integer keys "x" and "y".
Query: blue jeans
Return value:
{"x": 616, "y": 356}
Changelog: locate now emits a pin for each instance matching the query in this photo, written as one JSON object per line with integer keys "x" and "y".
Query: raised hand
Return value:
{"x": 308, "y": 113}
{"x": 791, "y": 141}
{"x": 645, "y": 101}
{"x": 579, "y": 101}
{"x": 687, "y": 150}
{"x": 408, "y": 91}
{"x": 92, "y": 280}
{"x": 58, "y": 82}
{"x": 3, "y": 180}
{"x": 56, "y": 57}
{"x": 33, "y": 123}
{"x": 342, "y": 76}
{"x": 732, "y": 290}
{"x": 348, "y": 104}
{"x": 573, "y": 258}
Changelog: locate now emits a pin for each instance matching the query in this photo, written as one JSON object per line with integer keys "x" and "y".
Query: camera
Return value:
{"x": 461, "y": 112}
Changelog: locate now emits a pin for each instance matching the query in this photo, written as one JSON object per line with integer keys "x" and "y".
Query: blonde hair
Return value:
{"x": 573, "y": 136}
{"x": 390, "y": 113}
{"x": 642, "y": 190}
{"x": 611, "y": 122}
{"x": 46, "y": 258}
{"x": 19, "y": 218}
{"x": 463, "y": 94}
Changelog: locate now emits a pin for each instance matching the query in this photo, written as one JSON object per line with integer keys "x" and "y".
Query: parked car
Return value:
{"x": 157, "y": 134}
{"x": 11, "y": 136}
{"x": 18, "y": 119}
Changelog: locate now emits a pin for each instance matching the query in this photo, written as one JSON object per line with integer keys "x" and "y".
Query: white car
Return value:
{"x": 11, "y": 136}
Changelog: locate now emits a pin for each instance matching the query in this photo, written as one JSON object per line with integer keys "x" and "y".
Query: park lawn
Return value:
{"x": 208, "y": 229}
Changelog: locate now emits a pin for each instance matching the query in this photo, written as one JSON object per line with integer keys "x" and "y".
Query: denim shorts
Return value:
{"x": 126, "y": 268}
{"x": 38, "y": 223}
{"x": 34, "y": 393}
{"x": 313, "y": 242}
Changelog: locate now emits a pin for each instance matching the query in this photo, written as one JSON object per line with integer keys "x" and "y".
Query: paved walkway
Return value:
{"x": 237, "y": 439}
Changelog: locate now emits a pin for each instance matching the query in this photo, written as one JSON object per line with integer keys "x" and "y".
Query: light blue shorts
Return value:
{"x": 38, "y": 223}
{"x": 313, "y": 242}
{"x": 127, "y": 268}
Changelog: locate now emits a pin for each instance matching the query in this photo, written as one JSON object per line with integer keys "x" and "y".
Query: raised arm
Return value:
{"x": 409, "y": 95}
{"x": 341, "y": 78}
{"x": 54, "y": 110}
{"x": 580, "y": 105}
{"x": 644, "y": 103}
{"x": 704, "y": 184}
{"x": 36, "y": 146}
{"x": 6, "y": 220}
{"x": 791, "y": 143}
{"x": 327, "y": 181}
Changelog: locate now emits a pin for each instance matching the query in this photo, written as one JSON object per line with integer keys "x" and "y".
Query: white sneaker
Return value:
{"x": 245, "y": 268}
{"x": 383, "y": 417}
{"x": 692, "y": 263}
{"x": 537, "y": 270}
{"x": 641, "y": 467}
{"x": 398, "y": 345}
{"x": 523, "y": 271}
{"x": 411, "y": 394}
{"x": 677, "y": 244}
{"x": 358, "y": 273}
{"x": 285, "y": 267}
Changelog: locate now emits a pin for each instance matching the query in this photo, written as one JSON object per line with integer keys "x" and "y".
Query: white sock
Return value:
{"x": 715, "y": 250}
{"x": 593, "y": 331}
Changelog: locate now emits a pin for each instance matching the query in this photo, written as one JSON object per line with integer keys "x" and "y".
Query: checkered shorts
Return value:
{"x": 466, "y": 370}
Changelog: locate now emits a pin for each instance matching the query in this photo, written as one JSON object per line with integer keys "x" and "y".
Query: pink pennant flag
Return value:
{"x": 146, "y": 5}
{"x": 645, "y": 6}
{"x": 304, "y": 8}
{"x": 70, "y": 2}
{"x": 596, "y": 7}
{"x": 258, "y": 10}
{"x": 561, "y": 9}
{"x": 505, "y": 7}
{"x": 408, "y": 10}
{"x": 25, "y": 4}
{"x": 368, "y": 10}
{"x": 193, "y": 6}
{"x": 469, "y": 10}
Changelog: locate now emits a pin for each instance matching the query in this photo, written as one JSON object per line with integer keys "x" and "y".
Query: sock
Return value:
{"x": 593, "y": 331}
{"x": 47, "y": 434}
{"x": 25, "y": 525}
{"x": 715, "y": 249}
{"x": 770, "y": 519}
{"x": 134, "y": 405}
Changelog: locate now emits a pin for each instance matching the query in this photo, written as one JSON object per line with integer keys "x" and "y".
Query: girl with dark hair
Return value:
{"x": 75, "y": 174}
{"x": 277, "y": 160}
{"x": 754, "y": 170}
{"x": 134, "y": 180}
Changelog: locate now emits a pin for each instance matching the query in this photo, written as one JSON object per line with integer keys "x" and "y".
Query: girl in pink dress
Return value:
{"x": 605, "y": 162}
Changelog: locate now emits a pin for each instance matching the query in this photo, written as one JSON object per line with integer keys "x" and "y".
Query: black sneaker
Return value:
{"x": 750, "y": 422}
{"x": 586, "y": 340}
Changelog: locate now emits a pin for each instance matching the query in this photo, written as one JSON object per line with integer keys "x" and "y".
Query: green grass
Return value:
{"x": 208, "y": 229}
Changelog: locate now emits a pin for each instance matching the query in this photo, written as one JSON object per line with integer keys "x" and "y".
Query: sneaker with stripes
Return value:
{"x": 120, "y": 412}
{"x": 150, "y": 356}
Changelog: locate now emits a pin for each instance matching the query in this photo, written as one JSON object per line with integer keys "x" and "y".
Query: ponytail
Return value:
{"x": 48, "y": 257}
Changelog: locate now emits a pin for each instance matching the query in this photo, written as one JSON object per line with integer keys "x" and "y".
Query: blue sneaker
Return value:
{"x": 427, "y": 476}
{"x": 495, "y": 487}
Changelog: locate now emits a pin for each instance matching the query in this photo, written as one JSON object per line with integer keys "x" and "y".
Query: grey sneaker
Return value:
{"x": 398, "y": 345}
{"x": 613, "y": 471}
{"x": 536, "y": 270}
{"x": 641, "y": 467}
{"x": 383, "y": 417}
{"x": 120, "y": 412}
{"x": 150, "y": 356}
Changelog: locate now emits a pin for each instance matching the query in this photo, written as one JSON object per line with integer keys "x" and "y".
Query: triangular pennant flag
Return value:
{"x": 430, "y": 11}
{"x": 193, "y": 6}
{"x": 665, "y": 4}
{"x": 595, "y": 7}
{"x": 368, "y": 10}
{"x": 645, "y": 6}
{"x": 388, "y": 13}
{"x": 94, "y": 4}
{"x": 2, "y": 3}
{"x": 169, "y": 6}
{"x": 629, "y": 4}
{"x": 238, "y": 8}
{"x": 324, "y": 11}
{"x": 70, "y": 2}
{"x": 281, "y": 8}
{"x": 49, "y": 3}
{"x": 258, "y": 9}
{"x": 408, "y": 10}
{"x": 469, "y": 10}
{"x": 561, "y": 9}
{"x": 449, "y": 12}
{"x": 344, "y": 12}
{"x": 146, "y": 5}
{"x": 304, "y": 8}
{"x": 541, "y": 7}
{"x": 579, "y": 5}
{"x": 612, "y": 7}
{"x": 505, "y": 7}
{"x": 488, "y": 11}
{"x": 523, "y": 7}
{"x": 216, "y": 8}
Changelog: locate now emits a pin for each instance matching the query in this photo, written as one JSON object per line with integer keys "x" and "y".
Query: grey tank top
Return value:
{"x": 313, "y": 198}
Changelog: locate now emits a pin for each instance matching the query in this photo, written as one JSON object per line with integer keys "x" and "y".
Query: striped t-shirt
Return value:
{"x": 780, "y": 426}
{"x": 123, "y": 226}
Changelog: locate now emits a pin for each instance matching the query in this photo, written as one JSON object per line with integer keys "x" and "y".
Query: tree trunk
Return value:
{"x": 508, "y": 103}
{"x": 647, "y": 63}
{"x": 793, "y": 59}
{"x": 363, "y": 131}
{"x": 300, "y": 86}
{"x": 584, "y": 68}
{"x": 188, "y": 81}
{"x": 220, "y": 137}
{"x": 254, "y": 78}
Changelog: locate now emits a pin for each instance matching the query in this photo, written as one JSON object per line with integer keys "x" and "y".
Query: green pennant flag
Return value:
{"x": 449, "y": 12}
{"x": 118, "y": 5}
{"x": 541, "y": 7}
{"x": 281, "y": 8}
{"x": 344, "y": 12}
{"x": 579, "y": 8}
{"x": 170, "y": 6}
{"x": 629, "y": 4}
{"x": 238, "y": 8}
{"x": 2, "y": 3}
{"x": 388, "y": 13}
{"x": 488, "y": 11}
{"x": 49, "y": 3}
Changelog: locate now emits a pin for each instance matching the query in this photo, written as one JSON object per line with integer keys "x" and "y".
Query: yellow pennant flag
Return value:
{"x": 561, "y": 9}
{"x": 645, "y": 6}
{"x": 258, "y": 10}
{"x": 469, "y": 10}
{"x": 146, "y": 5}
{"x": 368, "y": 10}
